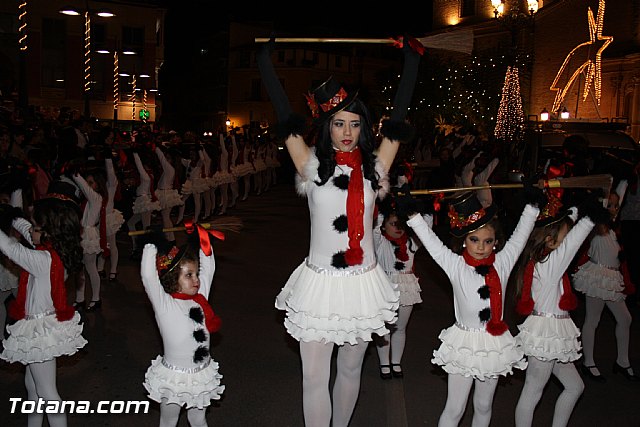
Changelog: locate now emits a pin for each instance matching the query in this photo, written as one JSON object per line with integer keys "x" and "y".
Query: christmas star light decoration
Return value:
{"x": 592, "y": 67}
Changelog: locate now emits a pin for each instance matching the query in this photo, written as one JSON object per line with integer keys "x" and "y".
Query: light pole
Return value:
{"x": 23, "y": 94}
{"x": 87, "y": 12}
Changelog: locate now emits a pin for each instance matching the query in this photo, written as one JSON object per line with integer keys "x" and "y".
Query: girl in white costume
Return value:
{"x": 168, "y": 196}
{"x": 223, "y": 177}
{"x": 478, "y": 348}
{"x": 93, "y": 189}
{"x": 177, "y": 282}
{"x": 339, "y": 295}
{"x": 114, "y": 220}
{"x": 395, "y": 251}
{"x": 602, "y": 283}
{"x": 145, "y": 202}
{"x": 548, "y": 335}
{"x": 46, "y": 327}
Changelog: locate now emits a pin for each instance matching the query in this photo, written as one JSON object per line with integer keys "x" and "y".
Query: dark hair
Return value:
{"x": 60, "y": 223}
{"x": 100, "y": 178}
{"x": 457, "y": 243}
{"x": 169, "y": 280}
{"x": 535, "y": 249}
{"x": 366, "y": 142}
{"x": 402, "y": 225}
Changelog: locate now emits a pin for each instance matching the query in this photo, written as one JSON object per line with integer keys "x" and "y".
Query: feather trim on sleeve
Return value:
{"x": 310, "y": 171}
{"x": 383, "y": 181}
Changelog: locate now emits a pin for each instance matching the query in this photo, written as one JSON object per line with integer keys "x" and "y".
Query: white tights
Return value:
{"x": 197, "y": 206}
{"x": 594, "y": 307}
{"x": 113, "y": 255}
{"x": 224, "y": 197}
{"x": 170, "y": 414}
{"x": 394, "y": 347}
{"x": 538, "y": 373}
{"x": 91, "y": 269}
{"x": 144, "y": 217}
{"x": 458, "y": 388}
{"x": 40, "y": 380}
{"x": 167, "y": 223}
{"x": 316, "y": 371}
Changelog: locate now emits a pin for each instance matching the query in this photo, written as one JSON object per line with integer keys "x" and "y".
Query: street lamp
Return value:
{"x": 564, "y": 113}
{"x": 73, "y": 11}
{"x": 544, "y": 115}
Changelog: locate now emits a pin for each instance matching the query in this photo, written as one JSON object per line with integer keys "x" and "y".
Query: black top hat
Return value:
{"x": 552, "y": 212}
{"x": 466, "y": 214}
{"x": 328, "y": 99}
{"x": 64, "y": 191}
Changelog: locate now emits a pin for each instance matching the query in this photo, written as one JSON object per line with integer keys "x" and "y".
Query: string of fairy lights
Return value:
{"x": 22, "y": 26}
{"x": 87, "y": 52}
{"x": 510, "y": 120}
{"x": 116, "y": 81}
{"x": 133, "y": 98}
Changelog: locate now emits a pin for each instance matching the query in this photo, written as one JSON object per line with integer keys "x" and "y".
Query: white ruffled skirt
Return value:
{"x": 409, "y": 288}
{"x": 260, "y": 165}
{"x": 549, "y": 338}
{"x": 115, "y": 219}
{"x": 597, "y": 281}
{"x": 144, "y": 204}
{"x": 223, "y": 178}
{"x": 169, "y": 198}
{"x": 478, "y": 354}
{"x": 90, "y": 240}
{"x": 8, "y": 279}
{"x": 338, "y": 308}
{"x": 193, "y": 389}
{"x": 242, "y": 170}
{"x": 43, "y": 338}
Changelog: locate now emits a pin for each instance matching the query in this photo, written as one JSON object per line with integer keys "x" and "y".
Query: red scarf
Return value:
{"x": 152, "y": 187}
{"x": 355, "y": 204}
{"x": 401, "y": 244}
{"x": 103, "y": 228}
{"x": 211, "y": 321}
{"x": 568, "y": 300}
{"x": 496, "y": 326}
{"x": 58, "y": 291}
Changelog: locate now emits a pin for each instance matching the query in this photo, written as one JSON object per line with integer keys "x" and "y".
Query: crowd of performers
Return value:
{"x": 64, "y": 198}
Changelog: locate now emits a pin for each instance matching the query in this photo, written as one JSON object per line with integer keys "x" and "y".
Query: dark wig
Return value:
{"x": 366, "y": 142}
{"x": 60, "y": 223}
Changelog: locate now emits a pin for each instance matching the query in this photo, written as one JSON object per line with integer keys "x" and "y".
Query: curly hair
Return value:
{"x": 169, "y": 280}
{"x": 60, "y": 223}
{"x": 366, "y": 142}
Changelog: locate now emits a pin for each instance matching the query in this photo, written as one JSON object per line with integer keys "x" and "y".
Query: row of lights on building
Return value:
{"x": 545, "y": 115}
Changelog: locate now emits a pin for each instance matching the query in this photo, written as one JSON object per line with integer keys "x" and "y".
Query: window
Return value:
{"x": 98, "y": 37}
{"x": 467, "y": 8}
{"x": 133, "y": 39}
{"x": 53, "y": 53}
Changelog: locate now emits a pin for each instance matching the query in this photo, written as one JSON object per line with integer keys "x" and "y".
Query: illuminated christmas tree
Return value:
{"x": 510, "y": 121}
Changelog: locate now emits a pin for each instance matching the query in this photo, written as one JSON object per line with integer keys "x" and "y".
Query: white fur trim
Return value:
{"x": 309, "y": 170}
{"x": 383, "y": 181}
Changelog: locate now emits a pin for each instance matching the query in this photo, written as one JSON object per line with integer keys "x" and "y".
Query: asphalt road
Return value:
{"x": 260, "y": 362}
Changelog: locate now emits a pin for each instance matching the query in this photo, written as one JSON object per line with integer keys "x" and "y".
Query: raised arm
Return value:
{"x": 290, "y": 126}
{"x": 395, "y": 130}
{"x": 112, "y": 179}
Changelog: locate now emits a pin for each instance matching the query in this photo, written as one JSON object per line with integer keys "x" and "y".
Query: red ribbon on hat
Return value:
{"x": 203, "y": 234}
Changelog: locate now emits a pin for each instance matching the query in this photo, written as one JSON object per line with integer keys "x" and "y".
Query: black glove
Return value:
{"x": 407, "y": 81}
{"x": 533, "y": 195}
{"x": 288, "y": 122}
{"x": 405, "y": 203}
{"x": 592, "y": 208}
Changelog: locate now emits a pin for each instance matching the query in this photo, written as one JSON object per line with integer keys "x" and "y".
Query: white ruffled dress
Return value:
{"x": 600, "y": 277}
{"x": 40, "y": 336}
{"x": 327, "y": 303}
{"x": 549, "y": 332}
{"x": 467, "y": 348}
{"x": 186, "y": 374}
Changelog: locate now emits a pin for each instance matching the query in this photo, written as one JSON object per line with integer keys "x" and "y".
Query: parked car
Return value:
{"x": 609, "y": 149}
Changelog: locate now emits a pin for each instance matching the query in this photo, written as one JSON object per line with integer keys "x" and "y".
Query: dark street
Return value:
{"x": 259, "y": 361}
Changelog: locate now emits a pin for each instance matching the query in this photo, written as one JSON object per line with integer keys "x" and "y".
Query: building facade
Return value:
{"x": 108, "y": 69}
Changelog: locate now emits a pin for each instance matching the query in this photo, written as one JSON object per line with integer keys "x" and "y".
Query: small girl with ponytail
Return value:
{"x": 548, "y": 335}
